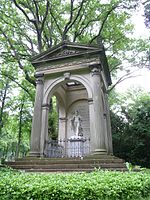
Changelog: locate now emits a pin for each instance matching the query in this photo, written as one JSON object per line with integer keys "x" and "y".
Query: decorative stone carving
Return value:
{"x": 65, "y": 52}
{"x": 40, "y": 75}
{"x": 39, "y": 81}
{"x": 45, "y": 106}
{"x": 76, "y": 126}
{"x": 95, "y": 71}
{"x": 67, "y": 76}
{"x": 83, "y": 108}
{"x": 68, "y": 64}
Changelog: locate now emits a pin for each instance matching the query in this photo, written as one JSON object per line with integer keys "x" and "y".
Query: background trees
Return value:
{"x": 30, "y": 27}
{"x": 131, "y": 127}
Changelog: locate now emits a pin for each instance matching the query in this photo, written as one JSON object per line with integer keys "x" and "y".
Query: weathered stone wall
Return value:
{"x": 83, "y": 109}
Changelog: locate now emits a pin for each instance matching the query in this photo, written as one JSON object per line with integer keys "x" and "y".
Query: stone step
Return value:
{"x": 41, "y": 162}
{"x": 69, "y": 166}
{"x": 70, "y": 170}
{"x": 99, "y": 157}
{"x": 58, "y": 170}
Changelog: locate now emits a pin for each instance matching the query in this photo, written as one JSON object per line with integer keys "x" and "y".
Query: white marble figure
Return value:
{"x": 76, "y": 127}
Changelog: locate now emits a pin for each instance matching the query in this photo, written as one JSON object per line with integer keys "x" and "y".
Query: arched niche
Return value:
{"x": 71, "y": 96}
{"x": 54, "y": 85}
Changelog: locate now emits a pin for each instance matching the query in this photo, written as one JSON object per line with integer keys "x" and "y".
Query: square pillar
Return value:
{"x": 37, "y": 116}
{"x": 98, "y": 136}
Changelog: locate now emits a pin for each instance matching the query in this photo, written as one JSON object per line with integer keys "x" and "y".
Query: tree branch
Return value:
{"x": 122, "y": 78}
{"x": 3, "y": 99}
{"x": 13, "y": 79}
{"x": 104, "y": 21}
{"x": 147, "y": 1}
{"x": 27, "y": 5}
{"x": 77, "y": 34}
{"x": 55, "y": 20}
{"x": 23, "y": 11}
{"x": 33, "y": 52}
{"x": 75, "y": 19}
{"x": 18, "y": 59}
{"x": 114, "y": 42}
{"x": 78, "y": 14}
{"x": 114, "y": 67}
{"x": 46, "y": 14}
{"x": 34, "y": 21}
{"x": 37, "y": 10}
{"x": 70, "y": 20}
{"x": 47, "y": 40}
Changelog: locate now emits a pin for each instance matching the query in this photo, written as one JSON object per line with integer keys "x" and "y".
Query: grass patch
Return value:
{"x": 98, "y": 185}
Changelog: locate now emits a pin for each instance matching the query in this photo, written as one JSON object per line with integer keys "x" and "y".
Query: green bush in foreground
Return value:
{"x": 93, "y": 186}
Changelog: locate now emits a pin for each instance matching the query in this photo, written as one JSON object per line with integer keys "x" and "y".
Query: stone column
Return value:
{"x": 92, "y": 127}
{"x": 98, "y": 118}
{"x": 36, "y": 121}
{"x": 108, "y": 125}
{"x": 44, "y": 129}
{"x": 62, "y": 128}
{"x": 62, "y": 135}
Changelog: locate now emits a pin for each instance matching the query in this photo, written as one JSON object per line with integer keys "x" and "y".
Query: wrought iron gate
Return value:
{"x": 78, "y": 147}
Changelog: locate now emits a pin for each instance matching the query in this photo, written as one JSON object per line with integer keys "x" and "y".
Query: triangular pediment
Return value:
{"x": 64, "y": 50}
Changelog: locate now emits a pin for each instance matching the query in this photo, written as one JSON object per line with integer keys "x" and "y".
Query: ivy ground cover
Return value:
{"x": 98, "y": 185}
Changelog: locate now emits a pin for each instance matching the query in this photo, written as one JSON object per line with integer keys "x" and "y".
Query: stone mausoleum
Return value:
{"x": 78, "y": 76}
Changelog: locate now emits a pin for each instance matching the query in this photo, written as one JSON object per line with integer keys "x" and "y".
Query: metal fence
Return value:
{"x": 74, "y": 147}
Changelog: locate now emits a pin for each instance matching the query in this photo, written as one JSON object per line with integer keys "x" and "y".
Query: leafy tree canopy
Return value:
{"x": 30, "y": 27}
{"x": 131, "y": 127}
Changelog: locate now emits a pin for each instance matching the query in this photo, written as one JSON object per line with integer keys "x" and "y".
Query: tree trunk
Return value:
{"x": 20, "y": 129}
{"x": 3, "y": 105}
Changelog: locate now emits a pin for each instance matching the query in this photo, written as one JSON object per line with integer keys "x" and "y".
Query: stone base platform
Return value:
{"x": 86, "y": 164}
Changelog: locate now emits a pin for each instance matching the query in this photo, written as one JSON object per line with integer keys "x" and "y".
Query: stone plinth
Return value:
{"x": 76, "y": 146}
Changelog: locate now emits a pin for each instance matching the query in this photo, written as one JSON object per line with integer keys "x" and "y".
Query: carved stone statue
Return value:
{"x": 76, "y": 127}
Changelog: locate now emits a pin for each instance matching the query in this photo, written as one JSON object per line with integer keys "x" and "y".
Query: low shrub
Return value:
{"x": 98, "y": 185}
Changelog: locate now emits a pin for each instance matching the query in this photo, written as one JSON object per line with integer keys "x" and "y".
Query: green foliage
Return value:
{"x": 146, "y": 198}
{"x": 96, "y": 185}
{"x": 131, "y": 127}
{"x": 53, "y": 120}
{"x": 16, "y": 131}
